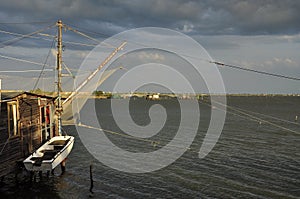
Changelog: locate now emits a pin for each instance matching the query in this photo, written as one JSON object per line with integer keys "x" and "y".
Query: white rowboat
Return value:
{"x": 50, "y": 154}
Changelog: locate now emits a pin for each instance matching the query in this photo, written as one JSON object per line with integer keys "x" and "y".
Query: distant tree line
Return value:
{"x": 102, "y": 94}
{"x": 41, "y": 92}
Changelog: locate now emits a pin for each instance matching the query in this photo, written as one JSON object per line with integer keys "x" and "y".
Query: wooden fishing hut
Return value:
{"x": 26, "y": 121}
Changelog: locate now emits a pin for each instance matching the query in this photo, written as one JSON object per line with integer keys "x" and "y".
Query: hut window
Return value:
{"x": 12, "y": 119}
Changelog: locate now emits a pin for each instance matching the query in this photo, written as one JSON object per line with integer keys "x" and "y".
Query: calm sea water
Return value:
{"x": 252, "y": 159}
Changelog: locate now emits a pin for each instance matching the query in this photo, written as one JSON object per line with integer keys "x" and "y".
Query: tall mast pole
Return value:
{"x": 59, "y": 64}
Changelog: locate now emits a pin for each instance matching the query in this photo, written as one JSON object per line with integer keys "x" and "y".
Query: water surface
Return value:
{"x": 252, "y": 159}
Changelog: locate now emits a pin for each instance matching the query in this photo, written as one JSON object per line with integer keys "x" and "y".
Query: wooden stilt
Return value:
{"x": 40, "y": 175}
{"x": 34, "y": 176}
{"x": 31, "y": 173}
{"x": 16, "y": 178}
{"x": 63, "y": 166}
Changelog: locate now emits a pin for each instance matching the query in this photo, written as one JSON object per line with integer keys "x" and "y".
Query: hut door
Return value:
{"x": 45, "y": 123}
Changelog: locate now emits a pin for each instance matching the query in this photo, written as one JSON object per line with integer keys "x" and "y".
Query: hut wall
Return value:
{"x": 29, "y": 124}
{"x": 9, "y": 148}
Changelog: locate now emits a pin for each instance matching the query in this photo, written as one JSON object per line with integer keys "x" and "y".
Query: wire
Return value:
{"x": 46, "y": 35}
{"x": 268, "y": 116}
{"x": 24, "y": 71}
{"x": 213, "y": 62}
{"x": 255, "y": 71}
{"x": 82, "y": 34}
{"x": 93, "y": 39}
{"x": 22, "y": 35}
{"x": 32, "y": 22}
{"x": 14, "y": 40}
{"x": 79, "y": 44}
{"x": 84, "y": 30}
{"x": 68, "y": 69}
{"x": 49, "y": 52}
{"x": 23, "y": 60}
{"x": 86, "y": 36}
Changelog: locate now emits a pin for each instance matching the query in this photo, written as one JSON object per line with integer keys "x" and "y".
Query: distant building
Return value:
{"x": 154, "y": 96}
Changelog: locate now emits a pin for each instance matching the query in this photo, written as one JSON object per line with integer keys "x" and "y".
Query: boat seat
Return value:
{"x": 59, "y": 142}
{"x": 48, "y": 155}
{"x": 58, "y": 147}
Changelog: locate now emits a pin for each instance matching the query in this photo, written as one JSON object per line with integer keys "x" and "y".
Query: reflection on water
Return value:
{"x": 251, "y": 159}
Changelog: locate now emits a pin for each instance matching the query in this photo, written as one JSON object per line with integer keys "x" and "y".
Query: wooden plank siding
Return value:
{"x": 28, "y": 139}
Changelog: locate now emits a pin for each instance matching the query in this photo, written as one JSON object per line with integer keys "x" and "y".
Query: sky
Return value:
{"x": 257, "y": 34}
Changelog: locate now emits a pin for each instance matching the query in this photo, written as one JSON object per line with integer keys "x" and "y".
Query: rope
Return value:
{"x": 152, "y": 142}
{"x": 64, "y": 131}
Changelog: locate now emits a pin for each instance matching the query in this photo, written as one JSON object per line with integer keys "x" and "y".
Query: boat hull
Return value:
{"x": 50, "y": 154}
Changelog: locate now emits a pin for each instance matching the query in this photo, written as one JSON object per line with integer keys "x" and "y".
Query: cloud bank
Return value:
{"x": 213, "y": 17}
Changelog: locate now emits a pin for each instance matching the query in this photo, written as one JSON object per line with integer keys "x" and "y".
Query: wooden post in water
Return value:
{"x": 0, "y": 94}
{"x": 91, "y": 179}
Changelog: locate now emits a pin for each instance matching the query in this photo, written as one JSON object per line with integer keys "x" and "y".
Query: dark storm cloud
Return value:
{"x": 194, "y": 17}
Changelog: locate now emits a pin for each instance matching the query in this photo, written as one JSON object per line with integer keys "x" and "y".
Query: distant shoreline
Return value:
{"x": 109, "y": 95}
